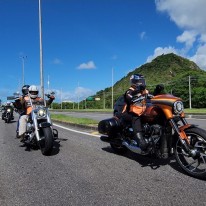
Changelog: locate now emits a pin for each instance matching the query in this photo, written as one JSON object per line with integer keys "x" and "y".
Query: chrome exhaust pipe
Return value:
{"x": 134, "y": 149}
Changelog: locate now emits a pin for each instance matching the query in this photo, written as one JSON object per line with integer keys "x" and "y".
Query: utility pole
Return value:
{"x": 78, "y": 95}
{"x": 190, "y": 102}
{"x": 112, "y": 88}
{"x": 41, "y": 52}
{"x": 104, "y": 100}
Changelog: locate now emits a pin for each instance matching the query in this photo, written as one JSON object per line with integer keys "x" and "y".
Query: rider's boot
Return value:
{"x": 142, "y": 142}
{"x": 22, "y": 137}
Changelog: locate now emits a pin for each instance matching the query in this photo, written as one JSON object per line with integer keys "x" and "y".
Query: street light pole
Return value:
{"x": 112, "y": 88}
{"x": 190, "y": 101}
{"x": 41, "y": 51}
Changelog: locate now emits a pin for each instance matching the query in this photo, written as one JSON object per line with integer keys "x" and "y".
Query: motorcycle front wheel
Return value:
{"x": 8, "y": 119}
{"x": 194, "y": 166}
{"x": 46, "y": 142}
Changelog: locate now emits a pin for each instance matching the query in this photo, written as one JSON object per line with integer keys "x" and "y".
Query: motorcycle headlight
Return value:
{"x": 41, "y": 113}
{"x": 8, "y": 110}
{"x": 178, "y": 107}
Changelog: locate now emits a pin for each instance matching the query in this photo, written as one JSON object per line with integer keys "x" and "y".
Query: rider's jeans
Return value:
{"x": 22, "y": 124}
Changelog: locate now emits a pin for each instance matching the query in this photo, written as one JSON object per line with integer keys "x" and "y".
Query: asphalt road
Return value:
{"x": 84, "y": 171}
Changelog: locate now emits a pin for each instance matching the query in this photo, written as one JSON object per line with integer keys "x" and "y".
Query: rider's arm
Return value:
{"x": 50, "y": 100}
{"x": 130, "y": 95}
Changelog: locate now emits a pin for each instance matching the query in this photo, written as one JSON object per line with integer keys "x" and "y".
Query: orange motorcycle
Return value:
{"x": 165, "y": 127}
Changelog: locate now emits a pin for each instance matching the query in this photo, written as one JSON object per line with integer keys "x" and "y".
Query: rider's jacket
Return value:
{"x": 36, "y": 101}
{"x": 135, "y": 101}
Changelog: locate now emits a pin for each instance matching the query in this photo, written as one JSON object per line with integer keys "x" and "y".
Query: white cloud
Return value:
{"x": 82, "y": 92}
{"x": 187, "y": 37}
{"x": 190, "y": 16}
{"x": 88, "y": 65}
{"x": 187, "y": 14}
{"x": 57, "y": 61}
{"x": 159, "y": 51}
{"x": 142, "y": 35}
{"x": 200, "y": 56}
{"x": 78, "y": 94}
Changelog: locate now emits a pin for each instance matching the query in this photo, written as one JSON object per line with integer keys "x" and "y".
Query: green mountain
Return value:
{"x": 176, "y": 73}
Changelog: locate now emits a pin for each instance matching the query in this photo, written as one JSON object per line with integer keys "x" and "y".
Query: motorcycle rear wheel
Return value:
{"x": 194, "y": 166}
{"x": 46, "y": 143}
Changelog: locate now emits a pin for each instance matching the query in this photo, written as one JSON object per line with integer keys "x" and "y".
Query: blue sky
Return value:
{"x": 84, "y": 40}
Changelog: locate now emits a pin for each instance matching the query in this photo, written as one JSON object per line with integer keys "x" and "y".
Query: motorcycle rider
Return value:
{"x": 136, "y": 95}
{"x": 33, "y": 94}
{"x": 18, "y": 106}
{"x": 8, "y": 106}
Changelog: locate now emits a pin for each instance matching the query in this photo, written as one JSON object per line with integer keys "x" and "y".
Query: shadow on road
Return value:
{"x": 150, "y": 161}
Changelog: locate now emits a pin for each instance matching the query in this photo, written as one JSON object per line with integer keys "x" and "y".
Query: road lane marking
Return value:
{"x": 73, "y": 130}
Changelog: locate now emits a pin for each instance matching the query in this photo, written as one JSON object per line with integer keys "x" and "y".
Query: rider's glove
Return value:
{"x": 52, "y": 97}
{"x": 138, "y": 99}
{"x": 150, "y": 96}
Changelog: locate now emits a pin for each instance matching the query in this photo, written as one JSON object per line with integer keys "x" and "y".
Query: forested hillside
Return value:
{"x": 176, "y": 73}
{"x": 171, "y": 70}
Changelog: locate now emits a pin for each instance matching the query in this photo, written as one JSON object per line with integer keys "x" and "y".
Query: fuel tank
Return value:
{"x": 151, "y": 114}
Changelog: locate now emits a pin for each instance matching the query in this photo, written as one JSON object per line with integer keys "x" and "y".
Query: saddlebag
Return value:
{"x": 108, "y": 126}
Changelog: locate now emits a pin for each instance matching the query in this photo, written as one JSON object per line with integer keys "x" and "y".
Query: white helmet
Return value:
{"x": 33, "y": 91}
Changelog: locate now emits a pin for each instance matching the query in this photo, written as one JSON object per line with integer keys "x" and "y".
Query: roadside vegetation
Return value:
{"x": 92, "y": 122}
{"x": 74, "y": 120}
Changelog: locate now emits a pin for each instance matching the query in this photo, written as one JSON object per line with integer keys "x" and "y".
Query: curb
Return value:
{"x": 196, "y": 116}
{"x": 76, "y": 125}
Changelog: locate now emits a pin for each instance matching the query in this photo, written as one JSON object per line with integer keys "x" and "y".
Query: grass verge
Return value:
{"x": 195, "y": 111}
{"x": 74, "y": 120}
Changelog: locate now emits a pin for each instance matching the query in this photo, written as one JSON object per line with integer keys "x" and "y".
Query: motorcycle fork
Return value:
{"x": 36, "y": 128}
{"x": 181, "y": 133}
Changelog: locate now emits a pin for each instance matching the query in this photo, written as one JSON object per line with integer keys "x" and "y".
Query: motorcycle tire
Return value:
{"x": 194, "y": 166}
{"x": 46, "y": 144}
{"x": 8, "y": 118}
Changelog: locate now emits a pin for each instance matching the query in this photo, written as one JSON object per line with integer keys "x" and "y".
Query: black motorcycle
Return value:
{"x": 7, "y": 116}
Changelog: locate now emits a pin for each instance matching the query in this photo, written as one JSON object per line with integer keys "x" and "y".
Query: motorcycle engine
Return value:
{"x": 151, "y": 130}
{"x": 129, "y": 132}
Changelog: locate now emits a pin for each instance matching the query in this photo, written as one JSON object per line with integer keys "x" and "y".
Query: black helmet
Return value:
{"x": 25, "y": 89}
{"x": 137, "y": 80}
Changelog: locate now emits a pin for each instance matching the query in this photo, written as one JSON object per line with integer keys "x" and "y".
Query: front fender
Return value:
{"x": 44, "y": 124}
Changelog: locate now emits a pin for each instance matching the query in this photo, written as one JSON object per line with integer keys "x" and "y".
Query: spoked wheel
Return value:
{"x": 194, "y": 166}
{"x": 46, "y": 142}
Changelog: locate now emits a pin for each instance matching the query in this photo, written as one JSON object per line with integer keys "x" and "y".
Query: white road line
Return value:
{"x": 72, "y": 130}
